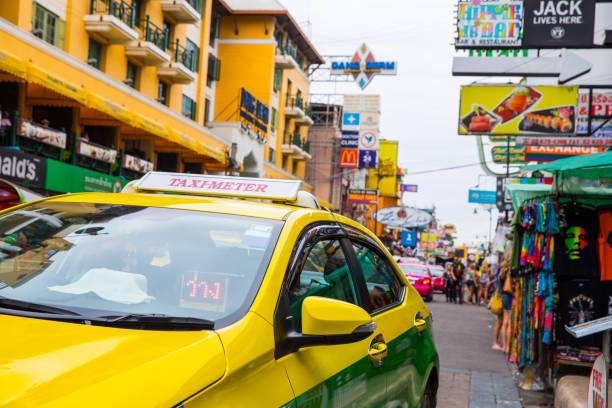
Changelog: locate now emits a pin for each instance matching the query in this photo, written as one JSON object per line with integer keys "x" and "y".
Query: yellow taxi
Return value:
{"x": 205, "y": 291}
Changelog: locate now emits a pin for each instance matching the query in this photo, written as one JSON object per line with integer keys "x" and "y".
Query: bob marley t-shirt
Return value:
{"x": 576, "y": 245}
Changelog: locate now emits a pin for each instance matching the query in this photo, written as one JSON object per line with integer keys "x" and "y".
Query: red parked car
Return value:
{"x": 420, "y": 278}
{"x": 437, "y": 273}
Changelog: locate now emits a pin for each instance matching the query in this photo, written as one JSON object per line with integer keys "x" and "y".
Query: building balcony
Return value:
{"x": 180, "y": 70}
{"x": 182, "y": 11}
{"x": 294, "y": 146}
{"x": 150, "y": 49}
{"x": 286, "y": 58}
{"x": 306, "y": 119}
{"x": 296, "y": 108}
{"x": 111, "y": 21}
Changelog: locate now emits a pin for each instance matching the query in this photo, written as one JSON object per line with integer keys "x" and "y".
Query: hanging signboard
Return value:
{"x": 550, "y": 153}
{"x": 563, "y": 141}
{"x": 409, "y": 188}
{"x": 359, "y": 196}
{"x": 95, "y": 151}
{"x": 363, "y": 67}
{"x": 349, "y": 141}
{"x": 22, "y": 168}
{"x": 41, "y": 133}
{"x": 513, "y": 110}
{"x": 500, "y": 154}
{"x": 349, "y": 158}
{"x": 558, "y": 24}
{"x": 601, "y": 106}
{"x": 489, "y": 24}
{"x": 254, "y": 114}
{"x": 350, "y": 121}
{"x": 368, "y": 140}
{"x": 481, "y": 197}
{"x": 408, "y": 238}
{"x": 403, "y": 217}
{"x": 136, "y": 164}
{"x": 368, "y": 159}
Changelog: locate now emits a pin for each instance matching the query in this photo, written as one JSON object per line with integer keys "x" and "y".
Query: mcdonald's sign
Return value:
{"x": 349, "y": 158}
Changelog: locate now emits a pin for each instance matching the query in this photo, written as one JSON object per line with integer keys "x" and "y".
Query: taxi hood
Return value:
{"x": 56, "y": 364}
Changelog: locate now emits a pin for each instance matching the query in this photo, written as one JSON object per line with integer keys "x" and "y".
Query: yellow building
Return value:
{"x": 124, "y": 86}
{"x": 262, "y": 89}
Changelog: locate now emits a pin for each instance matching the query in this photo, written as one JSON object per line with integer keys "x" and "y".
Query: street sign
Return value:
{"x": 408, "y": 238}
{"x": 558, "y": 24}
{"x": 349, "y": 142}
{"x": 350, "y": 121}
{"x": 568, "y": 67}
{"x": 481, "y": 197}
{"x": 409, "y": 188}
{"x": 368, "y": 140}
{"x": 349, "y": 158}
{"x": 368, "y": 159}
{"x": 361, "y": 196}
{"x": 563, "y": 141}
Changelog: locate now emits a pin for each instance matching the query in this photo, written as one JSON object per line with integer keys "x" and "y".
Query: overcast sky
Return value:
{"x": 419, "y": 107}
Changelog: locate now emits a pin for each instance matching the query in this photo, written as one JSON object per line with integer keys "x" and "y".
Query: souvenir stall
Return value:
{"x": 561, "y": 264}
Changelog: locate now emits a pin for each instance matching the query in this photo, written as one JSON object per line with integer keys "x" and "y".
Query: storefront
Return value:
{"x": 561, "y": 261}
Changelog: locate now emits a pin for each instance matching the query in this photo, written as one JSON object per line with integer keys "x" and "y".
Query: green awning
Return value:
{"x": 577, "y": 162}
{"x": 521, "y": 192}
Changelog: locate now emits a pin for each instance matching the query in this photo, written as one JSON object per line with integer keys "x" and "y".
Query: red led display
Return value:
{"x": 201, "y": 289}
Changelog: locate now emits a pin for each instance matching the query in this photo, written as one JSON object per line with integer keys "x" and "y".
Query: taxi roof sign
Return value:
{"x": 229, "y": 186}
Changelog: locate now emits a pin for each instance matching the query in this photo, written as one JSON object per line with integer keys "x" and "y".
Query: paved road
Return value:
{"x": 472, "y": 374}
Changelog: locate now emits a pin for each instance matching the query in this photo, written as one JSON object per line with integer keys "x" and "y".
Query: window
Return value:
{"x": 192, "y": 56}
{"x": 326, "y": 274}
{"x": 197, "y": 5}
{"x": 206, "y": 111}
{"x": 383, "y": 285}
{"x": 48, "y": 26}
{"x": 188, "y": 107}
{"x": 271, "y": 155}
{"x": 278, "y": 76}
{"x": 162, "y": 93}
{"x": 137, "y": 6}
{"x": 94, "y": 54}
{"x": 215, "y": 22}
{"x": 214, "y": 70}
{"x": 274, "y": 120}
{"x": 131, "y": 75}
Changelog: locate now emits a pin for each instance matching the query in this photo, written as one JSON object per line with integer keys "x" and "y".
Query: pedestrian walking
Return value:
{"x": 458, "y": 271}
{"x": 450, "y": 283}
{"x": 483, "y": 283}
{"x": 470, "y": 283}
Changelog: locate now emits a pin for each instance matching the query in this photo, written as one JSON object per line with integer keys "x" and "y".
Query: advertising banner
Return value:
{"x": 363, "y": 67}
{"x": 96, "y": 151}
{"x": 550, "y": 153}
{"x": 558, "y": 24}
{"x": 514, "y": 110}
{"x": 136, "y": 164}
{"x": 254, "y": 114}
{"x": 368, "y": 159}
{"x": 601, "y": 106}
{"x": 359, "y": 196}
{"x": 349, "y": 158}
{"x": 350, "y": 121}
{"x": 387, "y": 166}
{"x": 563, "y": 141}
{"x": 598, "y": 384}
{"x": 500, "y": 154}
{"x": 409, "y": 188}
{"x": 408, "y": 238}
{"x": 490, "y": 24}
{"x": 22, "y": 168}
{"x": 349, "y": 141}
{"x": 41, "y": 134}
{"x": 403, "y": 217}
{"x": 368, "y": 140}
{"x": 66, "y": 178}
{"x": 481, "y": 197}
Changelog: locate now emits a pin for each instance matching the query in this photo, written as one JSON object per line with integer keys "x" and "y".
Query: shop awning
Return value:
{"x": 521, "y": 192}
{"x": 49, "y": 81}
{"x": 13, "y": 65}
{"x": 573, "y": 163}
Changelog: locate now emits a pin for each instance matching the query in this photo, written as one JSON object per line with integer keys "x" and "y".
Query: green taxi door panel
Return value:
{"x": 331, "y": 375}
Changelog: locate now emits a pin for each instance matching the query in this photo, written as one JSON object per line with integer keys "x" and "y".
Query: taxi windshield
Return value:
{"x": 118, "y": 259}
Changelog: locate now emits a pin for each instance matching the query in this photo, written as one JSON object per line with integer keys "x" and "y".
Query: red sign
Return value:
{"x": 349, "y": 158}
{"x": 550, "y": 153}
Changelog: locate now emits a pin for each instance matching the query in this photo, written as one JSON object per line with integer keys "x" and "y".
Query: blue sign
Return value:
{"x": 368, "y": 159}
{"x": 363, "y": 67}
{"x": 349, "y": 142}
{"x": 350, "y": 121}
{"x": 409, "y": 188}
{"x": 408, "y": 238}
{"x": 482, "y": 197}
{"x": 253, "y": 111}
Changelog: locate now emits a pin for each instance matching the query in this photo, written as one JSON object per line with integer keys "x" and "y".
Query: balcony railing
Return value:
{"x": 154, "y": 34}
{"x": 184, "y": 56}
{"x": 296, "y": 140}
{"x": 121, "y": 9}
{"x": 295, "y": 102}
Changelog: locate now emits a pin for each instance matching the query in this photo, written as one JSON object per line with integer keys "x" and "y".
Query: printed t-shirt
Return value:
{"x": 576, "y": 245}
{"x": 604, "y": 245}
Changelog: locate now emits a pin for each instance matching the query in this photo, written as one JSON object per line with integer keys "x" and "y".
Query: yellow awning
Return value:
{"x": 49, "y": 81}
{"x": 13, "y": 65}
{"x": 149, "y": 125}
{"x": 192, "y": 144}
{"x": 110, "y": 108}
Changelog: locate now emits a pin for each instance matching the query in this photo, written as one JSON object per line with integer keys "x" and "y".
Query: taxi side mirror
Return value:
{"x": 328, "y": 322}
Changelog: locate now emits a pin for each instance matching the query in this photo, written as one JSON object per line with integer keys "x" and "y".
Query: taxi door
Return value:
{"x": 326, "y": 375}
{"x": 402, "y": 317}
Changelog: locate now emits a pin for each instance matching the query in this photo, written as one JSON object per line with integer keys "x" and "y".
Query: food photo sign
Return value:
{"x": 515, "y": 110}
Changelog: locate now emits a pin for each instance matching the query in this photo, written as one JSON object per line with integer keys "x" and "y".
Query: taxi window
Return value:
{"x": 383, "y": 286}
{"x": 325, "y": 273}
{"x": 134, "y": 259}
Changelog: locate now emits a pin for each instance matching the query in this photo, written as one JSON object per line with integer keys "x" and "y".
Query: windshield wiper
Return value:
{"x": 155, "y": 321}
{"x": 14, "y": 304}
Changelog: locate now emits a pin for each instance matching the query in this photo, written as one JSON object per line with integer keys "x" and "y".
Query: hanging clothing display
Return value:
{"x": 577, "y": 249}
{"x": 604, "y": 245}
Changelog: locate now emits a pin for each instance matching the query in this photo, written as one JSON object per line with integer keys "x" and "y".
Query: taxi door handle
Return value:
{"x": 419, "y": 323}
{"x": 377, "y": 352}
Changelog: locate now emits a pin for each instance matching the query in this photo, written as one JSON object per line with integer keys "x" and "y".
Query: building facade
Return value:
{"x": 121, "y": 87}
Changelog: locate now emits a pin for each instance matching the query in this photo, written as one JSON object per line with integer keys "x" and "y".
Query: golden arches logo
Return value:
{"x": 349, "y": 158}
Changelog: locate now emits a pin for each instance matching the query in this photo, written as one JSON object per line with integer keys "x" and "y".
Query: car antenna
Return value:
{"x": 335, "y": 219}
